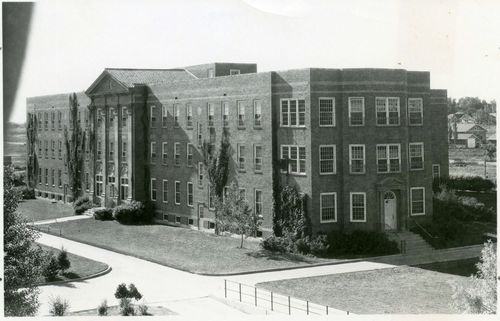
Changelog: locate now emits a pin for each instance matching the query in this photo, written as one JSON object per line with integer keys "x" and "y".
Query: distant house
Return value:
{"x": 466, "y": 119}
{"x": 477, "y": 130}
{"x": 467, "y": 140}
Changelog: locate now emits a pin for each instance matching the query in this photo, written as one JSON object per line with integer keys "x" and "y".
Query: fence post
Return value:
{"x": 307, "y": 302}
{"x": 347, "y": 312}
{"x": 240, "y": 291}
{"x": 272, "y": 301}
{"x": 289, "y": 308}
{"x": 327, "y": 310}
{"x": 255, "y": 296}
{"x": 225, "y": 288}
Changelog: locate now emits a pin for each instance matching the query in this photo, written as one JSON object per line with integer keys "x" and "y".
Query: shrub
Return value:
{"x": 126, "y": 307}
{"x": 63, "y": 261}
{"x": 471, "y": 183}
{"x": 133, "y": 212}
{"x": 82, "y": 204}
{"x": 360, "y": 243}
{"x": 27, "y": 192}
{"x": 102, "y": 309}
{"x": 58, "y": 306}
{"x": 105, "y": 214}
{"x": 51, "y": 269}
{"x": 143, "y": 309}
{"x": 275, "y": 244}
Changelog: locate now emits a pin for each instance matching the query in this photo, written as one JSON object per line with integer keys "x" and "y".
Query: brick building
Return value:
{"x": 362, "y": 145}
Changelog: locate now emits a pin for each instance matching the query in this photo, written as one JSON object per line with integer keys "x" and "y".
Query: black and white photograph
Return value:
{"x": 250, "y": 159}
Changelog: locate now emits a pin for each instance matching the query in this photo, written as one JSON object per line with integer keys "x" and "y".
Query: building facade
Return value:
{"x": 361, "y": 145}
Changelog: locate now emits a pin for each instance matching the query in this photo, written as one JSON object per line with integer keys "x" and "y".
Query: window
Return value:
{"x": 46, "y": 176}
{"x": 257, "y": 113}
{"x": 99, "y": 150}
{"x": 296, "y": 158}
{"x": 211, "y": 198}
{"x": 177, "y": 154}
{"x": 257, "y": 155}
{"x": 59, "y": 150}
{"x": 87, "y": 181}
{"x": 40, "y": 121}
{"x": 153, "y": 189}
{"x": 358, "y": 207}
{"x": 211, "y": 73}
{"x": 164, "y": 115}
{"x": 258, "y": 202}
{"x": 177, "y": 192}
{"x": 124, "y": 151}
{"x": 387, "y": 110}
{"x": 189, "y": 115}
{"x": 415, "y": 111}
{"x": 46, "y": 149}
{"x": 189, "y": 152}
{"x": 164, "y": 153}
{"x": 388, "y": 158}
{"x": 357, "y": 159}
{"x": 417, "y": 195}
{"x": 190, "y": 194}
{"x": 165, "y": 191}
{"x": 111, "y": 179}
{"x": 46, "y": 118}
{"x": 327, "y": 159}
{"x": 176, "y": 115}
{"x": 52, "y": 177}
{"x": 225, "y": 114}
{"x": 234, "y": 71}
{"x": 124, "y": 188}
{"x": 210, "y": 114}
{"x": 293, "y": 113}
{"x": 200, "y": 135}
{"x": 124, "y": 116}
{"x": 177, "y": 219}
{"x": 153, "y": 152}
{"x": 328, "y": 207}
{"x": 98, "y": 184}
{"x": 59, "y": 120}
{"x": 53, "y": 120}
{"x": 241, "y": 114}
{"x": 436, "y": 171}
{"x": 241, "y": 157}
{"x": 111, "y": 151}
{"x": 40, "y": 147}
{"x": 356, "y": 111}
{"x": 326, "y": 112}
{"x": 53, "y": 148}
{"x": 40, "y": 176}
{"x": 416, "y": 151}
{"x": 153, "y": 116}
{"x": 200, "y": 174}
{"x": 111, "y": 117}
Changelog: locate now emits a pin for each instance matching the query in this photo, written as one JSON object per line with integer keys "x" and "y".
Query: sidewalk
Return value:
{"x": 61, "y": 219}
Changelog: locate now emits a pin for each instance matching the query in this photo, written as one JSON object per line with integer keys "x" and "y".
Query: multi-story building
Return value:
{"x": 362, "y": 145}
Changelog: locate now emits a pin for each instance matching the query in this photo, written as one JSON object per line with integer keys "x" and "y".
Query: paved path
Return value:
{"x": 61, "y": 219}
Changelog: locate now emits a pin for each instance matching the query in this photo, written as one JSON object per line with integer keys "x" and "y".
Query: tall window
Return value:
{"x": 436, "y": 171}
{"x": 358, "y": 206}
{"x": 111, "y": 117}
{"x": 40, "y": 175}
{"x": 164, "y": 153}
{"x": 241, "y": 114}
{"x": 189, "y": 115}
{"x": 416, "y": 155}
{"x": 387, "y": 110}
{"x": 176, "y": 115}
{"x": 124, "y": 188}
{"x": 211, "y": 198}
{"x": 99, "y": 150}
{"x": 257, "y": 151}
{"x": 153, "y": 116}
{"x": 417, "y": 195}
{"x": 111, "y": 151}
{"x": 327, "y": 159}
{"x": 52, "y": 177}
{"x": 190, "y": 194}
{"x": 165, "y": 191}
{"x": 326, "y": 112}
{"x": 87, "y": 181}
{"x": 40, "y": 121}
{"x": 388, "y": 158}
{"x": 225, "y": 114}
{"x": 189, "y": 154}
{"x": 153, "y": 189}
{"x": 53, "y": 148}
{"x": 53, "y": 120}
{"x": 46, "y": 149}
{"x": 98, "y": 184}
{"x": 59, "y": 149}
{"x": 164, "y": 116}
{"x": 328, "y": 207}
{"x": 177, "y": 192}
{"x": 200, "y": 135}
{"x": 46, "y": 118}
{"x": 40, "y": 147}
{"x": 59, "y": 120}
{"x": 293, "y": 113}
{"x": 153, "y": 152}
{"x": 296, "y": 158}
{"x": 258, "y": 202}
{"x": 210, "y": 114}
{"x": 46, "y": 176}
{"x": 241, "y": 157}
{"x": 356, "y": 111}
{"x": 200, "y": 174}
{"x": 257, "y": 113}
{"x": 415, "y": 111}
{"x": 177, "y": 153}
{"x": 357, "y": 159}
{"x": 124, "y": 151}
{"x": 124, "y": 116}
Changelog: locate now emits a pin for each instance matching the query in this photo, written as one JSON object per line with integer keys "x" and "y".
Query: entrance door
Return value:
{"x": 390, "y": 210}
{"x": 200, "y": 213}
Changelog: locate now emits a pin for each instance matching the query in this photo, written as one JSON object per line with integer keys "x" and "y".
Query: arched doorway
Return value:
{"x": 390, "y": 210}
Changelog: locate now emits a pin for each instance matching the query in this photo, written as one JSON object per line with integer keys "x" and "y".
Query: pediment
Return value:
{"x": 388, "y": 183}
{"x": 106, "y": 84}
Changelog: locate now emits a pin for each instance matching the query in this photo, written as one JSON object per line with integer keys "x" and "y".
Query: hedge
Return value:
{"x": 104, "y": 214}
{"x": 134, "y": 212}
{"x": 463, "y": 183}
{"x": 82, "y": 204}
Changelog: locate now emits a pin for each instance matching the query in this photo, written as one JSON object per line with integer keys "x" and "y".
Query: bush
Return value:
{"x": 105, "y": 214}
{"x": 126, "y": 308}
{"x": 51, "y": 269}
{"x": 275, "y": 244}
{"x": 133, "y": 212}
{"x": 63, "y": 261}
{"x": 58, "y": 307}
{"x": 27, "y": 192}
{"x": 360, "y": 243}
{"x": 143, "y": 309}
{"x": 471, "y": 183}
{"x": 102, "y": 309}
{"x": 82, "y": 204}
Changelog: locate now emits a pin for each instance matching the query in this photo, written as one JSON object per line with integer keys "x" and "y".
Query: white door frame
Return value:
{"x": 390, "y": 210}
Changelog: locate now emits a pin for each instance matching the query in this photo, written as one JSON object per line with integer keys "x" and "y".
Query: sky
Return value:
{"x": 71, "y": 42}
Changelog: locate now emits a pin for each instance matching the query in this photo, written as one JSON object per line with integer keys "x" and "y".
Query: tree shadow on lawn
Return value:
{"x": 264, "y": 254}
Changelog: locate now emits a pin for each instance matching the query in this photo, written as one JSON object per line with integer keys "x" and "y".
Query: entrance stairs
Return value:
{"x": 410, "y": 243}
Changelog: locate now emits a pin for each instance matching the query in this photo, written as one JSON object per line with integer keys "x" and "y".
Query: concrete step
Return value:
{"x": 415, "y": 244}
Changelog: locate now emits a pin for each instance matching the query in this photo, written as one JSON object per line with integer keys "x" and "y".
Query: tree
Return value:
{"x": 23, "y": 262}
{"x": 125, "y": 295}
{"x": 469, "y": 105}
{"x": 51, "y": 269}
{"x": 58, "y": 306}
{"x": 75, "y": 146}
{"x": 452, "y": 105}
{"x": 31, "y": 133}
{"x": 294, "y": 221}
{"x": 479, "y": 293}
{"x": 490, "y": 150}
{"x": 63, "y": 261}
{"x": 235, "y": 215}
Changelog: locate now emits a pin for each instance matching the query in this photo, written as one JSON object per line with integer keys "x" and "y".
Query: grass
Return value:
{"x": 115, "y": 311}
{"x": 80, "y": 266}
{"x": 465, "y": 267}
{"x": 176, "y": 247}
{"x": 403, "y": 290}
{"x": 41, "y": 209}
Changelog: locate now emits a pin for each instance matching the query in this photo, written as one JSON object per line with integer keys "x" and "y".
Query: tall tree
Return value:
{"x": 75, "y": 146}
{"x": 31, "y": 133}
{"x": 469, "y": 105}
{"x": 23, "y": 262}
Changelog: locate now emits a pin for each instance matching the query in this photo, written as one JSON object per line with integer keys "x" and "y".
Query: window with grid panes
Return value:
{"x": 53, "y": 177}
{"x": 177, "y": 153}
{"x": 46, "y": 176}
{"x": 241, "y": 157}
{"x": 153, "y": 116}
{"x": 177, "y": 192}
{"x": 388, "y": 158}
{"x": 257, "y": 113}
{"x": 258, "y": 202}
{"x": 59, "y": 120}
{"x": 190, "y": 194}
{"x": 417, "y": 195}
{"x": 189, "y": 115}
{"x": 153, "y": 189}
{"x": 53, "y": 120}
{"x": 326, "y": 112}
{"x": 210, "y": 114}
{"x": 258, "y": 158}
{"x": 200, "y": 174}
{"x": 328, "y": 205}
{"x": 164, "y": 189}
{"x": 356, "y": 111}
{"x": 164, "y": 116}
{"x": 40, "y": 176}
{"x": 123, "y": 188}
{"x": 293, "y": 113}
{"x": 387, "y": 110}
{"x": 176, "y": 115}
{"x": 200, "y": 135}
{"x": 296, "y": 157}
{"x": 415, "y": 111}
{"x": 241, "y": 114}
{"x": 124, "y": 151}
{"x": 59, "y": 178}
{"x": 327, "y": 159}
{"x": 124, "y": 117}
{"x": 153, "y": 152}
{"x": 416, "y": 151}
{"x": 436, "y": 171}
{"x": 98, "y": 184}
{"x": 189, "y": 151}
{"x": 358, "y": 207}
{"x": 225, "y": 114}
{"x": 357, "y": 159}
{"x": 99, "y": 150}
{"x": 53, "y": 148}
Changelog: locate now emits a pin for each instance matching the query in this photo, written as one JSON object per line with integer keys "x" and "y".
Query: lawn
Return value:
{"x": 465, "y": 267}
{"x": 403, "y": 290}
{"x": 115, "y": 311}
{"x": 41, "y": 209}
{"x": 180, "y": 248}
{"x": 475, "y": 170}
{"x": 80, "y": 266}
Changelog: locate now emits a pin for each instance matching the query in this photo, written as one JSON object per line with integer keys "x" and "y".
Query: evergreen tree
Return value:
{"x": 51, "y": 269}
{"x": 63, "y": 261}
